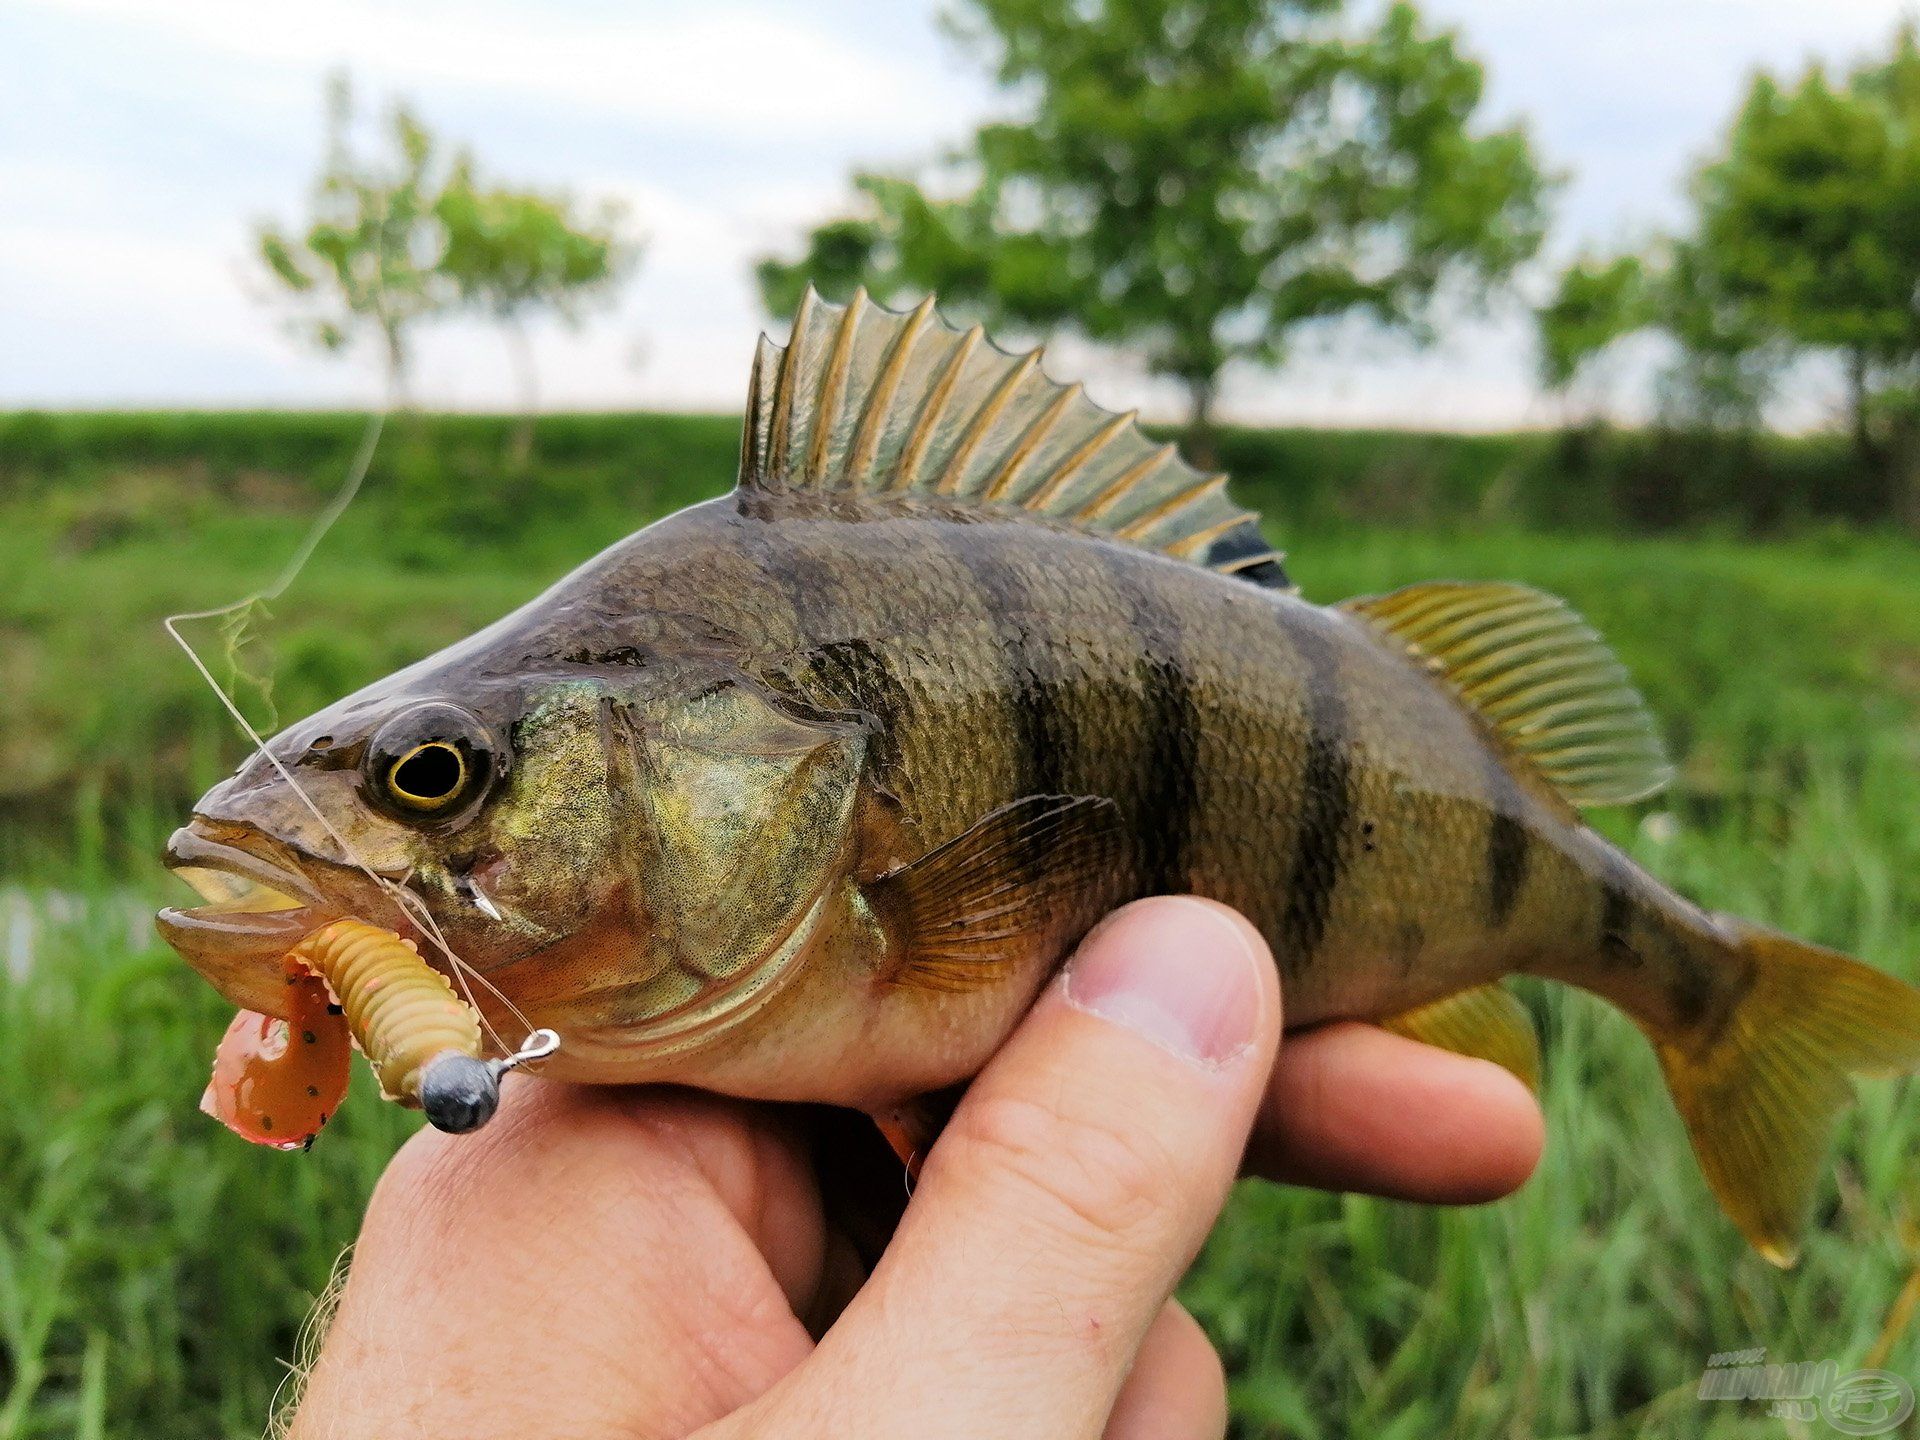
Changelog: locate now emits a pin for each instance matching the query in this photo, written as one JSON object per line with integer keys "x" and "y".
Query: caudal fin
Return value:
{"x": 1760, "y": 1094}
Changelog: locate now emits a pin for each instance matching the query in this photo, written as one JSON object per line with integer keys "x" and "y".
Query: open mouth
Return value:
{"x": 255, "y": 912}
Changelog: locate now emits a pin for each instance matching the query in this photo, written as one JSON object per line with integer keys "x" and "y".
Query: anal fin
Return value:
{"x": 1017, "y": 880}
{"x": 1486, "y": 1022}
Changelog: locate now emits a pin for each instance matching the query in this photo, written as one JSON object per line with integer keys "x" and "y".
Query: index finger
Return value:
{"x": 1353, "y": 1107}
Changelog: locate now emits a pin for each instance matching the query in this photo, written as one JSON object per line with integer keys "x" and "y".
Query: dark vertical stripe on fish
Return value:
{"x": 1326, "y": 804}
{"x": 1509, "y": 848}
{"x": 1168, "y": 793}
{"x": 1041, "y": 733}
{"x": 836, "y": 673}
{"x": 853, "y": 672}
{"x": 1616, "y": 899}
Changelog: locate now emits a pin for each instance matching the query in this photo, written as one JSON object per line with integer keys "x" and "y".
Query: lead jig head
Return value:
{"x": 459, "y": 1093}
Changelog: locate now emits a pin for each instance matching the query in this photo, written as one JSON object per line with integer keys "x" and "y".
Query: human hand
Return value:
{"x": 645, "y": 1263}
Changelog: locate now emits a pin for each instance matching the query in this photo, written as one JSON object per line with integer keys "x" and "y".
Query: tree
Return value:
{"x": 512, "y": 253}
{"x": 1723, "y": 370}
{"x": 366, "y": 265}
{"x": 1199, "y": 179}
{"x": 1596, "y": 302}
{"x": 395, "y": 239}
{"x": 1726, "y": 369}
{"x": 1808, "y": 229}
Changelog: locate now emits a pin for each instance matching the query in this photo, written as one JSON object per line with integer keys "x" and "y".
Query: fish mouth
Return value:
{"x": 256, "y": 910}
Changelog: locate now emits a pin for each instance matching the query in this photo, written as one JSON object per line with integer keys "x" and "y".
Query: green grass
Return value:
{"x": 153, "y": 1272}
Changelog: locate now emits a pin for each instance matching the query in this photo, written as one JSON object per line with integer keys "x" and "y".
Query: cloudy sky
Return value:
{"x": 141, "y": 139}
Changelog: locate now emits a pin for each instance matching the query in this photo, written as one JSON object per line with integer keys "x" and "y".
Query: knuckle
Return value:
{"x": 1102, "y": 1179}
{"x": 428, "y": 1177}
{"x": 437, "y": 1179}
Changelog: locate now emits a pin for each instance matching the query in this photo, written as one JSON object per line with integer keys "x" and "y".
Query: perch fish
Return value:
{"x": 802, "y": 793}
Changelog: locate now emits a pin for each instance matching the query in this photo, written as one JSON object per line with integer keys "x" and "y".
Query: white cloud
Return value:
{"x": 153, "y": 133}
{"x": 736, "y": 70}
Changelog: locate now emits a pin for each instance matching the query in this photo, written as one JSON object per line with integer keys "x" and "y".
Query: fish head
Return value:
{"x": 628, "y": 853}
{"x": 381, "y": 807}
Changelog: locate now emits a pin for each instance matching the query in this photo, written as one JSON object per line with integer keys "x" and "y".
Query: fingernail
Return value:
{"x": 1176, "y": 971}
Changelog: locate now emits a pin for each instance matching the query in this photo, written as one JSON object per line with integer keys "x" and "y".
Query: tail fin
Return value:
{"x": 1760, "y": 1095}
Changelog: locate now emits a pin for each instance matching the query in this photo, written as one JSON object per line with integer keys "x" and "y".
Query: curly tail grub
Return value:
{"x": 403, "y": 1013}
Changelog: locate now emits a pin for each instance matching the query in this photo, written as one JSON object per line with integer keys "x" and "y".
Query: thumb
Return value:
{"x": 1071, "y": 1190}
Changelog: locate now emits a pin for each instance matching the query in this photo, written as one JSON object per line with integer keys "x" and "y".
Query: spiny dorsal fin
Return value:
{"x": 865, "y": 399}
{"x": 1540, "y": 676}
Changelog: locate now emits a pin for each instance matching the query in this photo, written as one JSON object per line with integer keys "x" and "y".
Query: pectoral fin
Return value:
{"x": 1486, "y": 1022}
{"x": 1019, "y": 880}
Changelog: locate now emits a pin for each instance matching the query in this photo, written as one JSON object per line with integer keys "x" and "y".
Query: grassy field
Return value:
{"x": 153, "y": 1272}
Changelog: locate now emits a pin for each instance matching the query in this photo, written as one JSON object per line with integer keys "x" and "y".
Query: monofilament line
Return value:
{"x": 409, "y": 904}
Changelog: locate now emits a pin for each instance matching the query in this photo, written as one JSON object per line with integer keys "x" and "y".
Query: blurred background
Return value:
{"x": 1610, "y": 296}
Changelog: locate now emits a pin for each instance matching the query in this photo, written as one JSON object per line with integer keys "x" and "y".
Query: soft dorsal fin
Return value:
{"x": 865, "y": 399}
{"x": 1540, "y": 677}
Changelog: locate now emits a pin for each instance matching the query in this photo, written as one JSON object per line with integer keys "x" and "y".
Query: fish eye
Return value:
{"x": 428, "y": 776}
{"x": 429, "y": 760}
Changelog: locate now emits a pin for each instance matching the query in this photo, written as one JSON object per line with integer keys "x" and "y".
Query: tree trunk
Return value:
{"x": 1202, "y": 441}
{"x": 1910, "y": 495}
{"x": 1903, "y": 468}
{"x": 398, "y": 397}
{"x": 520, "y": 353}
{"x": 1859, "y": 403}
{"x": 1894, "y": 454}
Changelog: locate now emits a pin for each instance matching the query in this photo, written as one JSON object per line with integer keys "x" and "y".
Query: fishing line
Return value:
{"x": 410, "y": 904}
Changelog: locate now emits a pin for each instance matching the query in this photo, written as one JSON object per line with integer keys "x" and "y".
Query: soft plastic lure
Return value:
{"x": 275, "y": 1082}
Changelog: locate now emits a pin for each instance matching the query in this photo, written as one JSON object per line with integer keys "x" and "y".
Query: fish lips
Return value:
{"x": 257, "y": 910}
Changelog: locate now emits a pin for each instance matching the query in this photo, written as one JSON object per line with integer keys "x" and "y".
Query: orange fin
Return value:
{"x": 1022, "y": 878}
{"x": 1486, "y": 1023}
{"x": 1760, "y": 1093}
{"x": 898, "y": 1129}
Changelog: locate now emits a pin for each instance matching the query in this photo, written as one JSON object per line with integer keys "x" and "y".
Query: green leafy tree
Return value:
{"x": 1199, "y": 179}
{"x": 512, "y": 254}
{"x": 365, "y": 265}
{"x": 1807, "y": 239}
{"x": 1726, "y": 369}
{"x": 1596, "y": 302}
{"x": 1723, "y": 370}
